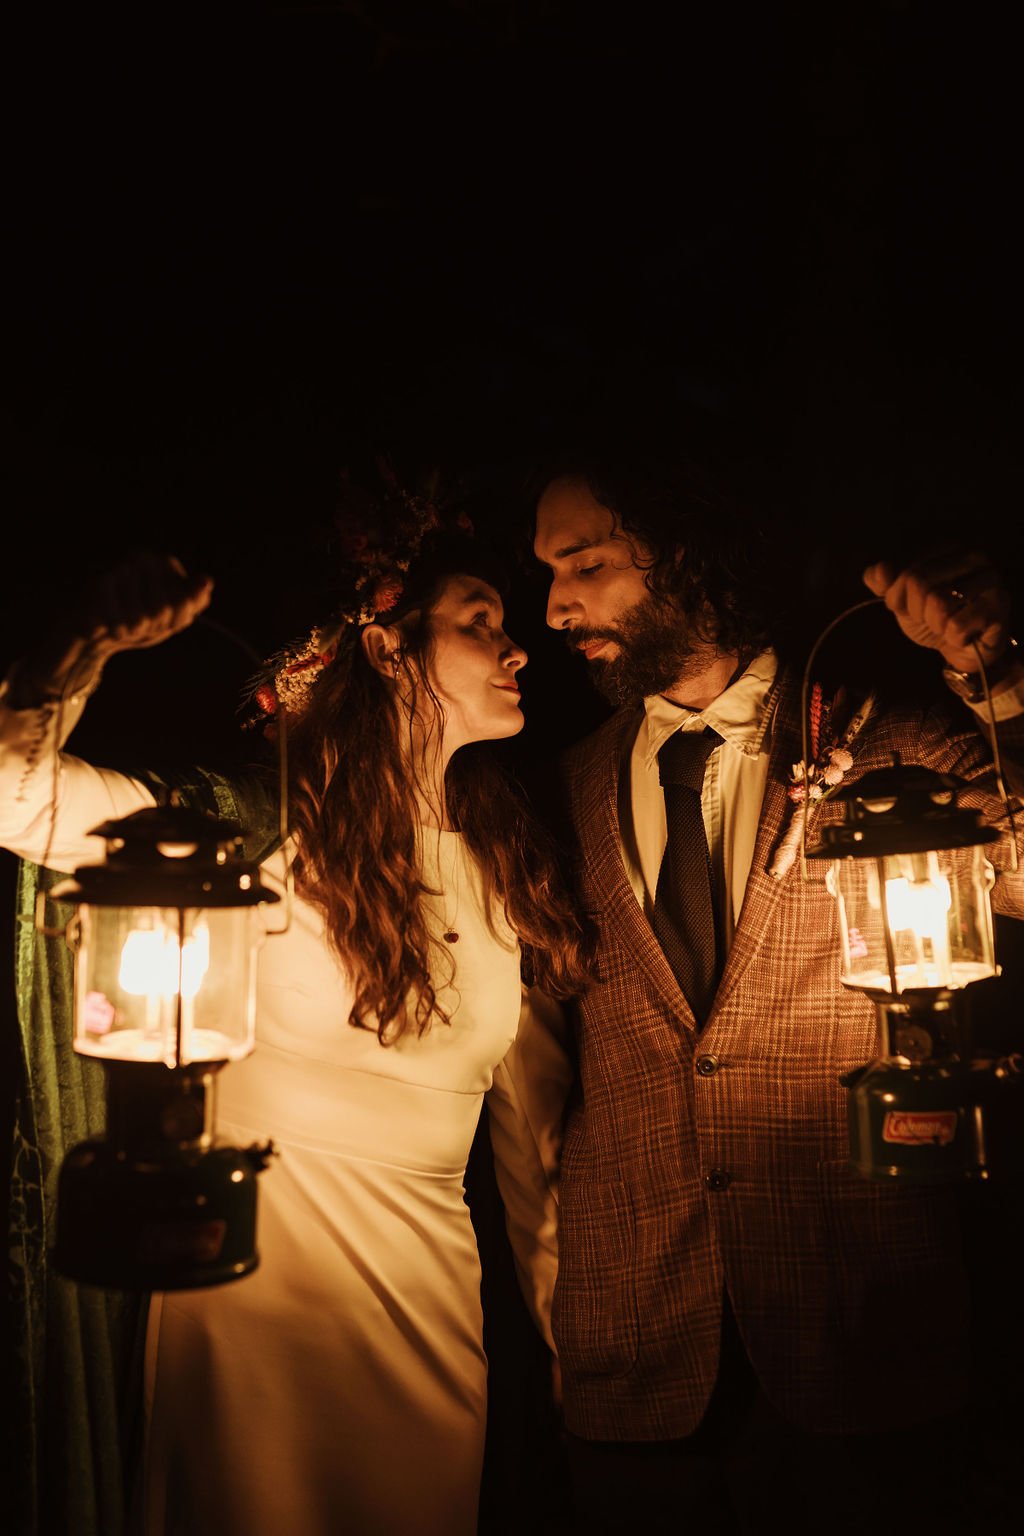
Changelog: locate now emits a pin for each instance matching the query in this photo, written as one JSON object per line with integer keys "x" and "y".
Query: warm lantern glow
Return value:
{"x": 153, "y": 962}
{"x": 914, "y": 921}
{"x": 166, "y": 984}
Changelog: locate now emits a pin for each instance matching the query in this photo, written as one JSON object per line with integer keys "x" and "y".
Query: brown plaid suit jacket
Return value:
{"x": 850, "y": 1296}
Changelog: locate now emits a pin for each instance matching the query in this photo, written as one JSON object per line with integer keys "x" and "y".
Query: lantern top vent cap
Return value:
{"x": 902, "y": 808}
{"x": 169, "y": 826}
{"x": 171, "y": 856}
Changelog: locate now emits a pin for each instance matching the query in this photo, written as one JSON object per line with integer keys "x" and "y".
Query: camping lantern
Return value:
{"x": 165, "y": 937}
{"x": 912, "y": 884}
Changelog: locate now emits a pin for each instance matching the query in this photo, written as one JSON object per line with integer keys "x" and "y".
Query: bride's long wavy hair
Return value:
{"x": 353, "y": 812}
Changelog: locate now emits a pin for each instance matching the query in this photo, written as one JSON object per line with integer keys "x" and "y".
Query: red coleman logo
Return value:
{"x": 913, "y": 1127}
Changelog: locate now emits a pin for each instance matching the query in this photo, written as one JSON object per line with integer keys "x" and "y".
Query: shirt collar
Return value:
{"x": 740, "y": 714}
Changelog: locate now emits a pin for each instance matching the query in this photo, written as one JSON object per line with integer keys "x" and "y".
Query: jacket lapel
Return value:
{"x": 618, "y": 907}
{"x": 763, "y": 890}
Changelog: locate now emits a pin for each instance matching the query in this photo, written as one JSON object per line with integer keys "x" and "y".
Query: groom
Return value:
{"x": 749, "y": 1335}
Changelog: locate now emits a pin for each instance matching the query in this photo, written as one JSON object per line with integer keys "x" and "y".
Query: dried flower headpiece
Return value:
{"x": 376, "y": 539}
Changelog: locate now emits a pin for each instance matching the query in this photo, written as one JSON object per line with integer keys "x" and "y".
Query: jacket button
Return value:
{"x": 718, "y": 1179}
{"x": 707, "y": 1066}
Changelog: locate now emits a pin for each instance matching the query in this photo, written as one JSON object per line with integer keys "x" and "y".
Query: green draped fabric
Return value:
{"x": 78, "y": 1348}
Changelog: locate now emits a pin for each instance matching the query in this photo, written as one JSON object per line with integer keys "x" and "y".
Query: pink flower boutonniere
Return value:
{"x": 830, "y": 760}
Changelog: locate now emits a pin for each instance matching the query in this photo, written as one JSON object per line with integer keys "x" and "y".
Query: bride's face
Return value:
{"x": 473, "y": 664}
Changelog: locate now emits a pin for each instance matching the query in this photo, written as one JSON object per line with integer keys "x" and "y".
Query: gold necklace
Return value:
{"x": 450, "y": 934}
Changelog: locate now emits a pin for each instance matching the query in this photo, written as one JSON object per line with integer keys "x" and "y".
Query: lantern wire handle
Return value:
{"x": 996, "y": 759}
{"x": 80, "y": 670}
{"x": 868, "y": 602}
{"x": 282, "y": 768}
{"x": 871, "y": 602}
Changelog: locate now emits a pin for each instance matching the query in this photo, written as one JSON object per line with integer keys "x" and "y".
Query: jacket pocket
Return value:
{"x": 897, "y": 1284}
{"x": 594, "y": 1315}
{"x": 898, "y": 1223}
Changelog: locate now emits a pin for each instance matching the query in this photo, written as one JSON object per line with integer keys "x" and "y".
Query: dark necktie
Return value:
{"x": 684, "y": 907}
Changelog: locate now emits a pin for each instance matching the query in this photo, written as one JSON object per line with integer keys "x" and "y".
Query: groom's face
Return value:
{"x": 636, "y": 640}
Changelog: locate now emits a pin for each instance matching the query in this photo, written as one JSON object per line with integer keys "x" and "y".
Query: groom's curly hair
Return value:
{"x": 713, "y": 549}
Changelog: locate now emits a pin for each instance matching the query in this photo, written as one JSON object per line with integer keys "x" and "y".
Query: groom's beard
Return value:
{"x": 656, "y": 644}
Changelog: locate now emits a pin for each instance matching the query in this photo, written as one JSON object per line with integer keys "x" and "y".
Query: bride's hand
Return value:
{"x": 142, "y": 601}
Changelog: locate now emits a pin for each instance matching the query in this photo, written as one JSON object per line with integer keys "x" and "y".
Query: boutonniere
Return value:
{"x": 829, "y": 738}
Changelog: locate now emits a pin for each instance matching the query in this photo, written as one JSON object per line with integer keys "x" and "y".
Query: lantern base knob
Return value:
{"x": 176, "y": 1221}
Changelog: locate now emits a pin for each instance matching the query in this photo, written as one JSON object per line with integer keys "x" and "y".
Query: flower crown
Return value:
{"x": 376, "y": 540}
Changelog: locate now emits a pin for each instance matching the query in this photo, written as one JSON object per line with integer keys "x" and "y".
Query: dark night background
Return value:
{"x": 241, "y": 252}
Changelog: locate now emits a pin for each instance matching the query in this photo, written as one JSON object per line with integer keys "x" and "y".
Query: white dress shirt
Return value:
{"x": 734, "y": 783}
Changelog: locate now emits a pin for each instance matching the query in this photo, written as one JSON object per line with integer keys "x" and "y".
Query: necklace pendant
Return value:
{"x": 451, "y": 937}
